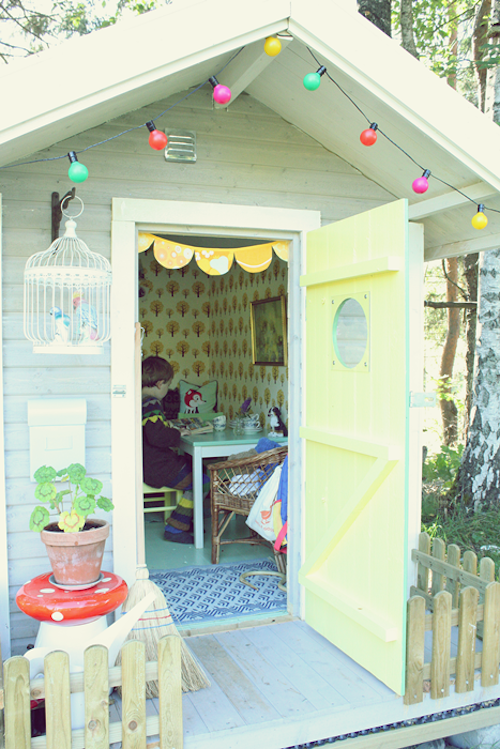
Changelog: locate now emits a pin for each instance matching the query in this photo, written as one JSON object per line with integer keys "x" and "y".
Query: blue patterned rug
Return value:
{"x": 201, "y": 595}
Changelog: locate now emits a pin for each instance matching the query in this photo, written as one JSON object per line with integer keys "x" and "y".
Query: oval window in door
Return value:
{"x": 350, "y": 333}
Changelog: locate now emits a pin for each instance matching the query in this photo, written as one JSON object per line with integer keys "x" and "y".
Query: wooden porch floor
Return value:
{"x": 283, "y": 684}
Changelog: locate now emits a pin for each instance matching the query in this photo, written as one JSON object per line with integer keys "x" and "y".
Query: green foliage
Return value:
{"x": 443, "y": 466}
{"x": 443, "y": 37}
{"x": 26, "y": 30}
{"x": 82, "y": 491}
{"x": 477, "y": 532}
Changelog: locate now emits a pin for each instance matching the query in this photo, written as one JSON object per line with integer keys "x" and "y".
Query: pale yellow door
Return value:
{"x": 357, "y": 436}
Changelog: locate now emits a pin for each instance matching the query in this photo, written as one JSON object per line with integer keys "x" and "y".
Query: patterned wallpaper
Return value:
{"x": 201, "y": 324}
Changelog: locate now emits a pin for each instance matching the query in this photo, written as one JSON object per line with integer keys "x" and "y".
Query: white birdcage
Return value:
{"x": 67, "y": 296}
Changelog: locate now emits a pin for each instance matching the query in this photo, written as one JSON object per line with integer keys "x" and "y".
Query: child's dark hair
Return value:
{"x": 155, "y": 368}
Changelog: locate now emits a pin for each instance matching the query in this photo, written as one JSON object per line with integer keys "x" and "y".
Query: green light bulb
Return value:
{"x": 312, "y": 81}
{"x": 78, "y": 172}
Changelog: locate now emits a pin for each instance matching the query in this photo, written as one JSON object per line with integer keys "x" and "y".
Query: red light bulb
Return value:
{"x": 369, "y": 136}
{"x": 157, "y": 139}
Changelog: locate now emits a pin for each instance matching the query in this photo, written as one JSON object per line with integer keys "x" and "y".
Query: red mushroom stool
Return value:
{"x": 69, "y": 617}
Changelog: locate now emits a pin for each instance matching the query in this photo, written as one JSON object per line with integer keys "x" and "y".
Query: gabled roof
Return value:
{"x": 90, "y": 80}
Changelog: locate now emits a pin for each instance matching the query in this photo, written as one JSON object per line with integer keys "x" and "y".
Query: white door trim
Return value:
{"x": 4, "y": 559}
{"x": 128, "y": 216}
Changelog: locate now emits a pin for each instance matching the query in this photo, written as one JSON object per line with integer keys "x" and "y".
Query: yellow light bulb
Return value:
{"x": 272, "y": 46}
{"x": 479, "y": 220}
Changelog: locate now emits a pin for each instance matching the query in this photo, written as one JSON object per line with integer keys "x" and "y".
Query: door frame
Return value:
{"x": 128, "y": 217}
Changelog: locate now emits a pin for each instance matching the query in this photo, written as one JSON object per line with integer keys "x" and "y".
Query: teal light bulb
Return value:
{"x": 78, "y": 172}
{"x": 312, "y": 81}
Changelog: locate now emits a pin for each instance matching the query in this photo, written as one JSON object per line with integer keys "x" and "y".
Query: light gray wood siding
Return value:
{"x": 245, "y": 155}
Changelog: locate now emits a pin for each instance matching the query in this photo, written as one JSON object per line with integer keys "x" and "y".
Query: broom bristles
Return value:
{"x": 155, "y": 623}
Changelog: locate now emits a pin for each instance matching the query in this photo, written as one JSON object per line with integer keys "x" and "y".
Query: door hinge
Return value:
{"x": 422, "y": 400}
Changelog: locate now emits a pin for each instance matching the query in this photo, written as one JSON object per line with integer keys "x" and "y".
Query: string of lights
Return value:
{"x": 158, "y": 140}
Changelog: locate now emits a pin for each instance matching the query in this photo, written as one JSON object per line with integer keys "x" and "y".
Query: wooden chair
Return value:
{"x": 152, "y": 495}
{"x": 225, "y": 504}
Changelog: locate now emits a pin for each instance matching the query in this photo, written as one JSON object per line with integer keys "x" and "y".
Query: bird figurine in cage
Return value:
{"x": 62, "y": 325}
{"x": 86, "y": 319}
{"x": 67, "y": 291}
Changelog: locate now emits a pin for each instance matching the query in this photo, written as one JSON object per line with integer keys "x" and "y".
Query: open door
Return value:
{"x": 358, "y": 434}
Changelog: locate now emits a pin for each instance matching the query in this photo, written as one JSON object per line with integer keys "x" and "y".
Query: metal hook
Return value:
{"x": 57, "y": 212}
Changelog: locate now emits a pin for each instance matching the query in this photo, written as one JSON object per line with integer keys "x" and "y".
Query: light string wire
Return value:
{"x": 130, "y": 129}
{"x": 190, "y": 93}
{"x": 396, "y": 145}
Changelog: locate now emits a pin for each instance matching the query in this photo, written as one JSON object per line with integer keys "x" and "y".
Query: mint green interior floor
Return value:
{"x": 164, "y": 555}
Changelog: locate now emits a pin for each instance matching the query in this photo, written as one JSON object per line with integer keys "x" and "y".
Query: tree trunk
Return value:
{"x": 479, "y": 38}
{"x": 477, "y": 483}
{"x": 447, "y": 404}
{"x": 471, "y": 263}
{"x": 378, "y": 12}
{"x": 407, "y": 37}
{"x": 478, "y": 479}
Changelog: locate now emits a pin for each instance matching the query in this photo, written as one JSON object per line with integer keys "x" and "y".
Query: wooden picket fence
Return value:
{"x": 95, "y": 682}
{"x": 456, "y": 596}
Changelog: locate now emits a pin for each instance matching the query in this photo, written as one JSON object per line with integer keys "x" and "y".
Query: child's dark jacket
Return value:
{"x": 161, "y": 465}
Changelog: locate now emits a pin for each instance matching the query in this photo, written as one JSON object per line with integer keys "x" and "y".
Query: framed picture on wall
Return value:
{"x": 268, "y": 328}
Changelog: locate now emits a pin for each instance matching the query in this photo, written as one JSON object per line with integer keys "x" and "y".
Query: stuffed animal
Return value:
{"x": 277, "y": 424}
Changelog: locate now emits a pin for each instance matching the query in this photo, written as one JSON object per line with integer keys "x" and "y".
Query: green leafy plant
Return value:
{"x": 80, "y": 493}
{"x": 443, "y": 466}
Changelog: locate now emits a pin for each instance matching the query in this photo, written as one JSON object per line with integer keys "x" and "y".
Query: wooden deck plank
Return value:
{"x": 240, "y": 691}
{"x": 284, "y": 696}
{"x": 191, "y": 718}
{"x": 335, "y": 667}
{"x": 367, "y": 677}
{"x": 298, "y": 672}
{"x": 214, "y": 708}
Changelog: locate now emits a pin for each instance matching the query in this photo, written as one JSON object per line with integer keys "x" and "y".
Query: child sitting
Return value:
{"x": 162, "y": 466}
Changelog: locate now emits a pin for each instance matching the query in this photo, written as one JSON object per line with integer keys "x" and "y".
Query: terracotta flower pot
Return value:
{"x": 76, "y": 558}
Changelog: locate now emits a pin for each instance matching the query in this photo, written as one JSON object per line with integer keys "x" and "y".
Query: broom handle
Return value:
{"x": 141, "y": 547}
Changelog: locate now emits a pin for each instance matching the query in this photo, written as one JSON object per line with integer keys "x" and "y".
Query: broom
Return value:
{"x": 156, "y": 622}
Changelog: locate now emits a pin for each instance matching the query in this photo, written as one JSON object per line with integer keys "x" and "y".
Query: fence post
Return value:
{"x": 469, "y": 562}
{"x": 17, "y": 703}
{"x": 170, "y": 692}
{"x": 57, "y": 700}
{"x": 491, "y": 638}
{"x": 133, "y": 695}
{"x": 467, "y": 622}
{"x": 96, "y": 690}
{"x": 424, "y": 545}
{"x": 441, "y": 640}
{"x": 486, "y": 572}
{"x": 453, "y": 586}
{"x": 438, "y": 552}
{"x": 415, "y": 640}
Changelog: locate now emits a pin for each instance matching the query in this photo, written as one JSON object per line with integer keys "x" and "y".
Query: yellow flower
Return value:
{"x": 71, "y": 522}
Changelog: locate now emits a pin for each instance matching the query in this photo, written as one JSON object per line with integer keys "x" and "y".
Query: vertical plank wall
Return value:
{"x": 246, "y": 155}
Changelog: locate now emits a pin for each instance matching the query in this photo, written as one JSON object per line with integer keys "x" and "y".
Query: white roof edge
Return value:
{"x": 453, "y": 122}
{"x": 90, "y": 81}
{"x": 76, "y": 87}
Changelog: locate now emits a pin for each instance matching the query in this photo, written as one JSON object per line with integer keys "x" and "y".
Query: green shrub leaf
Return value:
{"x": 91, "y": 486}
{"x": 45, "y": 492}
{"x": 105, "y": 504}
{"x": 45, "y": 473}
{"x": 76, "y": 473}
{"x": 39, "y": 519}
{"x": 84, "y": 505}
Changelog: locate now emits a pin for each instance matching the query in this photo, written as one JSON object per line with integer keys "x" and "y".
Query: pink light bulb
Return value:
{"x": 222, "y": 94}
{"x": 421, "y": 185}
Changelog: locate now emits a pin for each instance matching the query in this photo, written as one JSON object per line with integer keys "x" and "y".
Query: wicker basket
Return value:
{"x": 234, "y": 487}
